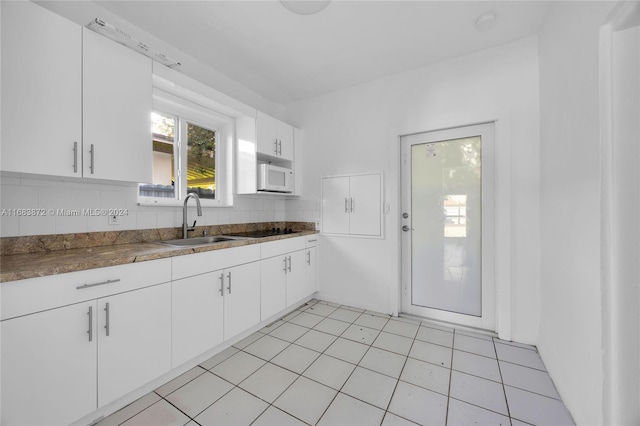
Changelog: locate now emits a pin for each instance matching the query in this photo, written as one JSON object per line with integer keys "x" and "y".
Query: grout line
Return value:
{"x": 446, "y": 417}
{"x": 386, "y": 411}
{"x": 504, "y": 391}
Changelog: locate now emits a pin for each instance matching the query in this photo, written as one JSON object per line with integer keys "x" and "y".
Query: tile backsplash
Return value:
{"x": 47, "y": 194}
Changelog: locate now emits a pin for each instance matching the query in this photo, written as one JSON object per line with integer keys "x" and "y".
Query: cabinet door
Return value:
{"x": 197, "y": 315}
{"x": 117, "y": 111}
{"x": 273, "y": 294}
{"x": 296, "y": 287}
{"x": 335, "y": 199}
{"x": 311, "y": 271}
{"x": 285, "y": 141}
{"x": 267, "y": 134}
{"x": 41, "y": 91}
{"x": 241, "y": 298}
{"x": 365, "y": 205}
{"x": 134, "y": 340}
{"x": 49, "y": 366}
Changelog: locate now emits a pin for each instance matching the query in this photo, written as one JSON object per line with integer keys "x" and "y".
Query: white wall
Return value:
{"x": 357, "y": 130}
{"x": 570, "y": 337}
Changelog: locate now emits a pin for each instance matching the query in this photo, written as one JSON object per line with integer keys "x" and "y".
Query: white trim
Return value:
{"x": 503, "y": 267}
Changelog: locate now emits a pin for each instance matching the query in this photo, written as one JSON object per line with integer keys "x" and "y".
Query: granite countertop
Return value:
{"x": 44, "y": 263}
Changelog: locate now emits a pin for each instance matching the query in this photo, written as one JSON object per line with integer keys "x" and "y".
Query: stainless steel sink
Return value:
{"x": 199, "y": 241}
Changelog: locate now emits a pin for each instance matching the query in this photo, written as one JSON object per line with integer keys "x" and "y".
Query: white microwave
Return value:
{"x": 274, "y": 179}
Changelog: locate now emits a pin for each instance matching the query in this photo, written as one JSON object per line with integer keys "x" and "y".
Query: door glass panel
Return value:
{"x": 446, "y": 240}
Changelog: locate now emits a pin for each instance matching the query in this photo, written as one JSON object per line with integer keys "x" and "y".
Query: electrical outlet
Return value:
{"x": 114, "y": 220}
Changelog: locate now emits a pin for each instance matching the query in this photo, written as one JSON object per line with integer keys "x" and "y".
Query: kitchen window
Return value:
{"x": 191, "y": 149}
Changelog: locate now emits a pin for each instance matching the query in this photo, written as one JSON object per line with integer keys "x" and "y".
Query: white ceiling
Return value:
{"x": 287, "y": 57}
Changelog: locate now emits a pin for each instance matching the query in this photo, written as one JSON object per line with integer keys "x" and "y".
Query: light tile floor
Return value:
{"x": 327, "y": 364}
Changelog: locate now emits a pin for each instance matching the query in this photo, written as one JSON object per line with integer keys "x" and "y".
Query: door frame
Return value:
{"x": 502, "y": 193}
{"x": 486, "y": 321}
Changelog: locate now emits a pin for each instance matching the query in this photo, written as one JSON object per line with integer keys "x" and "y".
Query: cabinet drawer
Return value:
{"x": 201, "y": 263}
{"x": 38, "y": 294}
{"x": 276, "y": 248}
{"x": 312, "y": 240}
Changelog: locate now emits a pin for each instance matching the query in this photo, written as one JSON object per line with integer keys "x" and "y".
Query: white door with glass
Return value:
{"x": 447, "y": 224}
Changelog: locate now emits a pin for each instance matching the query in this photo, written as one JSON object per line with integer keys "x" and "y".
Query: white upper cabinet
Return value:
{"x": 275, "y": 138}
{"x": 117, "y": 111}
{"x": 74, "y": 103}
{"x": 41, "y": 91}
{"x": 352, "y": 205}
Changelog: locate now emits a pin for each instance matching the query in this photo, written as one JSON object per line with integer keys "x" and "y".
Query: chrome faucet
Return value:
{"x": 185, "y": 227}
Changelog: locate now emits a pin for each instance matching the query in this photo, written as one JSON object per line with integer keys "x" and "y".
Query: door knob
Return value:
{"x": 406, "y": 228}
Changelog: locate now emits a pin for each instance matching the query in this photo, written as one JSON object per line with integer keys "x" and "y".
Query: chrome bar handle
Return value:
{"x": 229, "y": 277}
{"x": 75, "y": 157}
{"x": 308, "y": 257}
{"x": 106, "y": 322}
{"x": 346, "y": 205}
{"x": 90, "y": 331}
{"x": 280, "y": 147}
{"x": 289, "y": 263}
{"x": 353, "y": 205}
{"x": 91, "y": 165}
{"x": 222, "y": 284}
{"x": 285, "y": 265}
{"x": 276, "y": 142}
{"x": 80, "y": 287}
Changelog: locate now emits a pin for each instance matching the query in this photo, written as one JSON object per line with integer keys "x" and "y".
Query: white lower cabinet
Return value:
{"x": 216, "y": 296}
{"x": 197, "y": 324}
{"x": 213, "y": 307}
{"x": 49, "y": 370}
{"x": 93, "y": 336}
{"x": 64, "y": 363}
{"x": 285, "y": 278}
{"x": 297, "y": 277}
{"x": 134, "y": 340}
{"x": 241, "y": 298}
{"x": 273, "y": 297}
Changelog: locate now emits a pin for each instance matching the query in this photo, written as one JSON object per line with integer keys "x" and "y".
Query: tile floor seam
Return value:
{"x": 178, "y": 408}
{"x": 374, "y": 362}
{"x": 504, "y": 391}
{"x": 530, "y": 391}
{"x": 446, "y": 415}
{"x": 520, "y": 365}
{"x": 397, "y": 383}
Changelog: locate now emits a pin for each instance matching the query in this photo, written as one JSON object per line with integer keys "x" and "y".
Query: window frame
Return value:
{"x": 186, "y": 111}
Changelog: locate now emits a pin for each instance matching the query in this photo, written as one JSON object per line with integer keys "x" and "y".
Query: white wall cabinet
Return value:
{"x": 352, "y": 205}
{"x": 134, "y": 340}
{"x": 41, "y": 91}
{"x": 275, "y": 138}
{"x": 74, "y": 103}
{"x": 49, "y": 370}
{"x": 116, "y": 89}
{"x": 198, "y": 314}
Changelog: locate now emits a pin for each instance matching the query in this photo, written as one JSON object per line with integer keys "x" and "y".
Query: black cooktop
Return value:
{"x": 264, "y": 233}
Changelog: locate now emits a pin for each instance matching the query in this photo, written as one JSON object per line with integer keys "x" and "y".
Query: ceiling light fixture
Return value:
{"x": 486, "y": 21}
{"x": 305, "y": 7}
